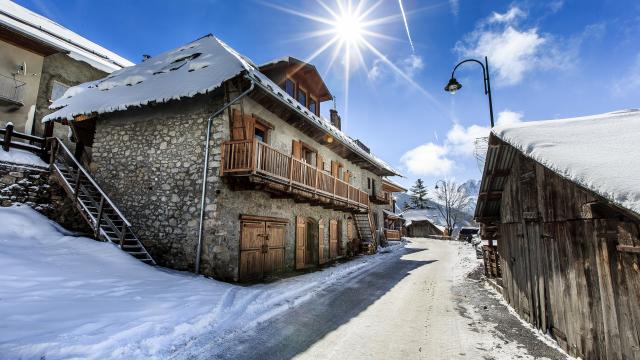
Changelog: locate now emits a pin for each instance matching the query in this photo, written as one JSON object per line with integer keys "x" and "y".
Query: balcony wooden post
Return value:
{"x": 254, "y": 152}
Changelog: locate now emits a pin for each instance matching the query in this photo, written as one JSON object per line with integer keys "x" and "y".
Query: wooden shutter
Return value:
{"x": 319, "y": 162}
{"x": 301, "y": 237}
{"x": 334, "y": 168}
{"x": 242, "y": 127}
{"x": 321, "y": 254}
{"x": 333, "y": 238}
{"x": 347, "y": 176}
{"x": 296, "y": 149}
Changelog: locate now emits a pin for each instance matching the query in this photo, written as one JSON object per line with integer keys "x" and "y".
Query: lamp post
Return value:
{"x": 454, "y": 85}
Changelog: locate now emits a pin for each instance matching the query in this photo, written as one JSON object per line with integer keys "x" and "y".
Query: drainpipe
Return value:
{"x": 205, "y": 170}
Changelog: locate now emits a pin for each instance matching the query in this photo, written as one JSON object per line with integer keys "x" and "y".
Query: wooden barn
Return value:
{"x": 419, "y": 224}
{"x": 563, "y": 198}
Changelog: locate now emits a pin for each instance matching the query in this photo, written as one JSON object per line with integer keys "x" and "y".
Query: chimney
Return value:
{"x": 335, "y": 118}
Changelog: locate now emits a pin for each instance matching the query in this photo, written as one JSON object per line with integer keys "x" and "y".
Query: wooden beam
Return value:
{"x": 628, "y": 249}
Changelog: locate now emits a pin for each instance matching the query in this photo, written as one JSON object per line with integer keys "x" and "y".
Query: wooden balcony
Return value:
{"x": 286, "y": 176}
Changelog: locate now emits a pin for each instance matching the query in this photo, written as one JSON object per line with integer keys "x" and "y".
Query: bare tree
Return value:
{"x": 452, "y": 200}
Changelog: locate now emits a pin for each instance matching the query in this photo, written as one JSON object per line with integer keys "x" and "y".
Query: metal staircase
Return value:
{"x": 94, "y": 205}
{"x": 364, "y": 225}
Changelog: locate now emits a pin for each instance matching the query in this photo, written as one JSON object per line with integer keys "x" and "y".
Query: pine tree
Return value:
{"x": 419, "y": 195}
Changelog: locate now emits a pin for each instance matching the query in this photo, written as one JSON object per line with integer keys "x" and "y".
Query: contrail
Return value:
{"x": 406, "y": 25}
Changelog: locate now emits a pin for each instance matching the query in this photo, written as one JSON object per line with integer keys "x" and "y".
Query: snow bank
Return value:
{"x": 68, "y": 297}
{"x": 21, "y": 157}
{"x": 599, "y": 152}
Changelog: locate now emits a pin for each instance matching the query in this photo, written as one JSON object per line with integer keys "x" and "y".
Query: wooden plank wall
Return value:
{"x": 561, "y": 268}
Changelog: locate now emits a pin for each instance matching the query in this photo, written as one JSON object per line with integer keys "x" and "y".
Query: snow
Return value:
{"x": 39, "y": 27}
{"x": 196, "y": 68}
{"x": 71, "y": 297}
{"x": 599, "y": 152}
{"x": 21, "y": 157}
{"x": 431, "y": 215}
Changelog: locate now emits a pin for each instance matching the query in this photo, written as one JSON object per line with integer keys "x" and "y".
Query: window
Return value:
{"x": 308, "y": 155}
{"x": 57, "y": 90}
{"x": 261, "y": 131}
{"x": 368, "y": 183}
{"x": 312, "y": 105}
{"x": 302, "y": 97}
{"x": 290, "y": 88}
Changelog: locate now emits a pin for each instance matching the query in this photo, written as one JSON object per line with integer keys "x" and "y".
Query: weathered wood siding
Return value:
{"x": 562, "y": 270}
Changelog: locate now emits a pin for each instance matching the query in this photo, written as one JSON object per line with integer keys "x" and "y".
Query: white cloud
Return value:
{"x": 455, "y": 6}
{"x": 508, "y": 117}
{"x": 630, "y": 83}
{"x": 433, "y": 159}
{"x": 460, "y": 140}
{"x": 514, "y": 51}
{"x": 556, "y": 5}
{"x": 427, "y": 159}
{"x": 412, "y": 64}
{"x": 509, "y": 17}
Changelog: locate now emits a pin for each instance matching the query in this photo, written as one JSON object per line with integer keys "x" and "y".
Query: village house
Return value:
{"x": 563, "y": 199}
{"x": 204, "y": 161}
{"x": 393, "y": 223}
{"x": 422, "y": 223}
{"x": 39, "y": 61}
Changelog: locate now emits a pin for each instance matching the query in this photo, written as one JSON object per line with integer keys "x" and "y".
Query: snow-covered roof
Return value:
{"x": 36, "y": 26}
{"x": 431, "y": 215}
{"x": 196, "y": 68}
{"x": 598, "y": 152}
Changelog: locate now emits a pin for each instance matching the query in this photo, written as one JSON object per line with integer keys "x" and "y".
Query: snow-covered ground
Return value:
{"x": 65, "y": 297}
{"x": 23, "y": 157}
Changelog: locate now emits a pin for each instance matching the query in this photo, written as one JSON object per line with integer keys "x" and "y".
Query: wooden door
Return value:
{"x": 333, "y": 238}
{"x": 322, "y": 256}
{"x": 273, "y": 248}
{"x": 301, "y": 238}
{"x": 251, "y": 256}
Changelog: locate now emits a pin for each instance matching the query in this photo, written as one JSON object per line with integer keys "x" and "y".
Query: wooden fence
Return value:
{"x": 35, "y": 144}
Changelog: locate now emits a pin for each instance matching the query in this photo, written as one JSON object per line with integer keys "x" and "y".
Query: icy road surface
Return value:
{"x": 420, "y": 303}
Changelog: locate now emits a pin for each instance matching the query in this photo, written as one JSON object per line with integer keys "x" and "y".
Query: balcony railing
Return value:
{"x": 255, "y": 157}
{"x": 11, "y": 90}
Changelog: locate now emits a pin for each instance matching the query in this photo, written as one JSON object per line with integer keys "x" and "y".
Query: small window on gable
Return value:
{"x": 312, "y": 105}
{"x": 290, "y": 88}
{"x": 57, "y": 90}
{"x": 302, "y": 97}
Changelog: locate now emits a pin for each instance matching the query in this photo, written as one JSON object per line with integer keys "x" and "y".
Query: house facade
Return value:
{"x": 226, "y": 169}
{"x": 393, "y": 223}
{"x": 561, "y": 197}
{"x": 39, "y": 61}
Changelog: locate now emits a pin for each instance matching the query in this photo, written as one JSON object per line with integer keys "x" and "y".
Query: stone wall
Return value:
{"x": 149, "y": 161}
{"x": 34, "y": 187}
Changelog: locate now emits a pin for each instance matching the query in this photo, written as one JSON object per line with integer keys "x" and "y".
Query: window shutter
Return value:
{"x": 334, "y": 168}
{"x": 249, "y": 127}
{"x": 319, "y": 162}
{"x": 237, "y": 125}
{"x": 347, "y": 176}
{"x": 301, "y": 237}
{"x": 321, "y": 254}
{"x": 296, "y": 149}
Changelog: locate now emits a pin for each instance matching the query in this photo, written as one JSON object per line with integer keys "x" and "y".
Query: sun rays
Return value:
{"x": 348, "y": 33}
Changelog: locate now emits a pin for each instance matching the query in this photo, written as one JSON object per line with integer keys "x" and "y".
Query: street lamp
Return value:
{"x": 454, "y": 85}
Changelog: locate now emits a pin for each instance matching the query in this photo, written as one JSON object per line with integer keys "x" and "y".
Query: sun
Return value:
{"x": 349, "y": 28}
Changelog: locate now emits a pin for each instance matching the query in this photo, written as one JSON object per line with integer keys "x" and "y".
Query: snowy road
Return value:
{"x": 412, "y": 306}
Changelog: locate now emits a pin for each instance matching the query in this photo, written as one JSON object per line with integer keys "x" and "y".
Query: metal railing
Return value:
{"x": 11, "y": 90}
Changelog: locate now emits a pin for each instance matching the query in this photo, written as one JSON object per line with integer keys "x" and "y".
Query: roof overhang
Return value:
{"x": 28, "y": 42}
{"x": 390, "y": 186}
{"x": 301, "y": 68}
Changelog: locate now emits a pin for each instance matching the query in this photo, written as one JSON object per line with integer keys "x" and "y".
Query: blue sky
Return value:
{"x": 549, "y": 59}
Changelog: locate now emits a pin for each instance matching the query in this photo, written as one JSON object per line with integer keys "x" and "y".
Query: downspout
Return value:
{"x": 205, "y": 170}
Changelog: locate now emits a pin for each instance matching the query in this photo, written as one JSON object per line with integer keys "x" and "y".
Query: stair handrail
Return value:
{"x": 59, "y": 143}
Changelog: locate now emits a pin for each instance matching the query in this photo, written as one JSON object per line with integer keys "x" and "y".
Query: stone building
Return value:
{"x": 39, "y": 61}
{"x": 227, "y": 168}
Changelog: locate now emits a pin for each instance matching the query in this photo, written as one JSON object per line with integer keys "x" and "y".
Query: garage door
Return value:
{"x": 261, "y": 248}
